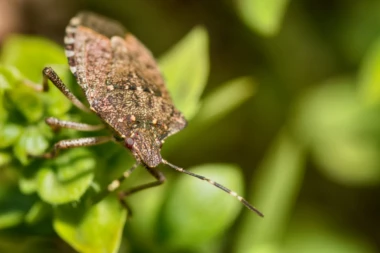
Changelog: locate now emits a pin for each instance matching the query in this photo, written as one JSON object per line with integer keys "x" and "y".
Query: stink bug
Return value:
{"x": 124, "y": 87}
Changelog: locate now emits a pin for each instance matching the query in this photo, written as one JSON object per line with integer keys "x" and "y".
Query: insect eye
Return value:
{"x": 129, "y": 143}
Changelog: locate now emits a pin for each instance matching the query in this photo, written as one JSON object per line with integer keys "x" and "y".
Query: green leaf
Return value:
{"x": 28, "y": 102}
{"x": 262, "y": 16}
{"x": 9, "y": 77}
{"x": 224, "y": 100}
{"x": 186, "y": 68}
{"x": 342, "y": 133}
{"x": 227, "y": 97}
{"x": 219, "y": 103}
{"x": 5, "y": 159}
{"x": 3, "y": 111}
{"x": 37, "y": 212}
{"x": 67, "y": 177}
{"x": 369, "y": 76}
{"x": 7, "y": 80}
{"x": 11, "y": 218}
{"x": 96, "y": 229}
{"x": 28, "y": 185}
{"x": 275, "y": 191}
{"x": 31, "y": 54}
{"x": 9, "y": 134}
{"x": 148, "y": 205}
{"x": 197, "y": 212}
{"x": 13, "y": 206}
{"x": 31, "y": 142}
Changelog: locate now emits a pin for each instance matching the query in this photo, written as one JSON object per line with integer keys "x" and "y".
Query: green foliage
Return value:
{"x": 275, "y": 191}
{"x": 69, "y": 175}
{"x": 31, "y": 142}
{"x": 39, "y": 51}
{"x": 215, "y": 106}
{"x": 11, "y": 218}
{"x": 97, "y": 228}
{"x": 186, "y": 68}
{"x": 341, "y": 132}
{"x": 262, "y": 16}
{"x": 369, "y": 76}
{"x": 180, "y": 233}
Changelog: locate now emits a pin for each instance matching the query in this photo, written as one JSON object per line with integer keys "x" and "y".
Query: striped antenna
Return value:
{"x": 223, "y": 188}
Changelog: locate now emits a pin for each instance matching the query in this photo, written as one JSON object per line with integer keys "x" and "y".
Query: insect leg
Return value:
{"x": 154, "y": 172}
{"x": 115, "y": 185}
{"x": 117, "y": 182}
{"x": 57, "y": 124}
{"x": 73, "y": 143}
{"x": 49, "y": 74}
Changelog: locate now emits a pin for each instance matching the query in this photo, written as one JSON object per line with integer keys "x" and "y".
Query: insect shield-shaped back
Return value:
{"x": 122, "y": 84}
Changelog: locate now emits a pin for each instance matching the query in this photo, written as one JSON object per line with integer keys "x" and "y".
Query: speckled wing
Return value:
{"x": 88, "y": 50}
{"x": 120, "y": 77}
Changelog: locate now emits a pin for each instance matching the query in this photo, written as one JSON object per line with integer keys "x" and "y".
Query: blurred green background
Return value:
{"x": 283, "y": 102}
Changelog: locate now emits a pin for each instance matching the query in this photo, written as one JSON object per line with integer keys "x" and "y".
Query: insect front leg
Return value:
{"x": 49, "y": 74}
{"x": 154, "y": 172}
{"x": 115, "y": 184}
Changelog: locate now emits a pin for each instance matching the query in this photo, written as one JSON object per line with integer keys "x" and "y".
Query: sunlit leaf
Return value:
{"x": 28, "y": 185}
{"x": 67, "y": 177}
{"x": 186, "y": 68}
{"x": 224, "y": 100}
{"x": 31, "y": 142}
{"x": 11, "y": 218}
{"x": 97, "y": 229}
{"x": 276, "y": 188}
{"x": 342, "y": 133}
{"x": 28, "y": 102}
{"x": 13, "y": 207}
{"x": 264, "y": 17}
{"x": 9, "y": 134}
{"x": 37, "y": 212}
{"x": 3, "y": 111}
{"x": 369, "y": 76}
{"x": 31, "y": 54}
{"x": 9, "y": 77}
{"x": 196, "y": 211}
{"x": 5, "y": 159}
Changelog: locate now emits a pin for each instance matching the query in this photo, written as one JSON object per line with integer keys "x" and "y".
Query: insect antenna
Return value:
{"x": 223, "y": 188}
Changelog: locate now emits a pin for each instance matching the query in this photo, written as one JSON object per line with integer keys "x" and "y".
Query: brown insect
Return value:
{"x": 124, "y": 87}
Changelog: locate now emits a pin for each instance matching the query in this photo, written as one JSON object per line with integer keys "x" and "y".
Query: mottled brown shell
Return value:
{"x": 122, "y": 84}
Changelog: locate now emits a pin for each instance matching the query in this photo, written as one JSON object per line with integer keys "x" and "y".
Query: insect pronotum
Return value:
{"x": 124, "y": 87}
